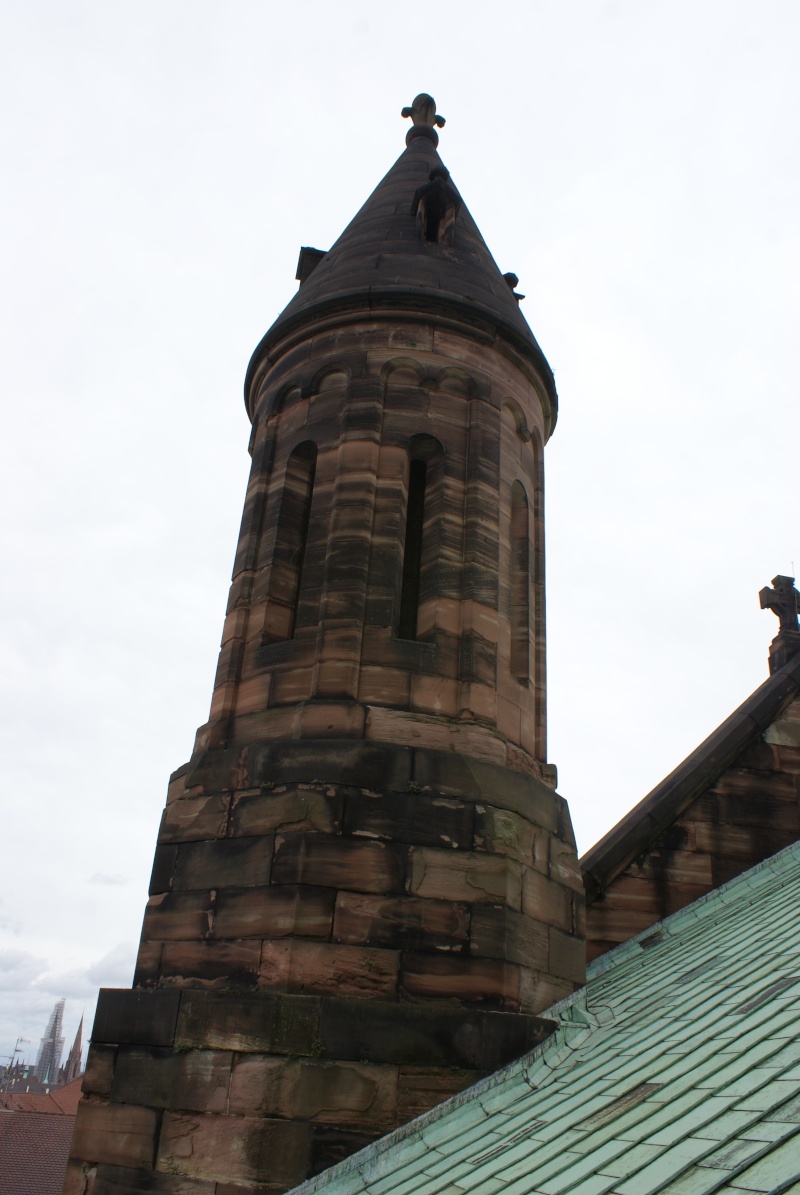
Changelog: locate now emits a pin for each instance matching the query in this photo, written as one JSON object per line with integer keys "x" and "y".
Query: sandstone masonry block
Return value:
{"x": 500, "y": 932}
{"x": 406, "y": 922}
{"x": 347, "y": 1093}
{"x": 493, "y": 983}
{"x": 211, "y": 964}
{"x": 335, "y": 862}
{"x": 546, "y": 901}
{"x": 503, "y": 832}
{"x": 195, "y": 818}
{"x": 567, "y": 956}
{"x": 122, "y": 1180}
{"x": 174, "y": 916}
{"x": 313, "y": 968}
{"x": 136, "y": 1017}
{"x": 424, "y": 819}
{"x": 256, "y": 1023}
{"x": 121, "y": 1134}
{"x": 196, "y": 1081}
{"x": 296, "y": 808}
{"x": 422, "y": 1088}
{"x": 233, "y": 1148}
{"x": 274, "y": 912}
{"x": 229, "y": 863}
{"x": 99, "y": 1070}
{"x": 465, "y": 876}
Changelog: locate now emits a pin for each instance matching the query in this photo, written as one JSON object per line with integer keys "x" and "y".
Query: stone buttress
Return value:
{"x": 365, "y": 889}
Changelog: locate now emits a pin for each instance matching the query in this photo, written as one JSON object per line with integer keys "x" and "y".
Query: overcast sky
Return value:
{"x": 635, "y": 162}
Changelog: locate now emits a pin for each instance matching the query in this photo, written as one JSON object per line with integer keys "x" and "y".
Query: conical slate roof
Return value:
{"x": 380, "y": 261}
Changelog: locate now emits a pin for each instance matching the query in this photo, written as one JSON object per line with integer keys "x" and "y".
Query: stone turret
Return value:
{"x": 366, "y": 888}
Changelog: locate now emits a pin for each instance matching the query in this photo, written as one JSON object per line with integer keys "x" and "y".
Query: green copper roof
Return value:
{"x": 675, "y": 1070}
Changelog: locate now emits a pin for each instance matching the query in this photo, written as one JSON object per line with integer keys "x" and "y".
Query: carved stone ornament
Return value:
{"x": 782, "y": 599}
{"x": 423, "y": 112}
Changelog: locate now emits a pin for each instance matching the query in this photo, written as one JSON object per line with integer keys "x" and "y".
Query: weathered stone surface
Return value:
{"x": 195, "y": 818}
{"x": 336, "y": 862}
{"x": 79, "y": 1178}
{"x": 297, "y": 808}
{"x": 318, "y": 967}
{"x": 135, "y": 1017}
{"x": 405, "y": 922}
{"x": 422, "y": 1088}
{"x": 121, "y": 1180}
{"x": 260, "y": 1022}
{"x": 163, "y": 868}
{"x": 346, "y": 1093}
{"x": 210, "y": 964}
{"x": 503, "y": 933}
{"x": 425, "y": 820}
{"x": 503, "y": 832}
{"x": 233, "y": 1148}
{"x": 99, "y": 1071}
{"x": 546, "y": 901}
{"x": 196, "y": 1081}
{"x": 176, "y": 916}
{"x": 567, "y": 957}
{"x": 148, "y": 964}
{"x": 226, "y": 863}
{"x": 481, "y": 981}
{"x": 465, "y": 876}
{"x": 332, "y": 1144}
{"x": 564, "y": 868}
{"x": 120, "y": 1134}
{"x": 540, "y": 990}
{"x": 274, "y": 912}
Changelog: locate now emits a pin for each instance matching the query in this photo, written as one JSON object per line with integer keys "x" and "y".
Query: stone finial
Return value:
{"x": 424, "y": 116}
{"x": 423, "y": 111}
{"x": 782, "y": 599}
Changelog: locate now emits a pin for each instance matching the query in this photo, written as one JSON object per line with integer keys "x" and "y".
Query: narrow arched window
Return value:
{"x": 520, "y": 584}
{"x": 412, "y": 551}
{"x": 286, "y": 574}
{"x": 422, "y": 547}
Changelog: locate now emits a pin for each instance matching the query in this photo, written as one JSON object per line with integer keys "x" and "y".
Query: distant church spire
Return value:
{"x": 72, "y": 1069}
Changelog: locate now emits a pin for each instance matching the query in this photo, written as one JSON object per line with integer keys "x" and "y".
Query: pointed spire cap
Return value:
{"x": 384, "y": 262}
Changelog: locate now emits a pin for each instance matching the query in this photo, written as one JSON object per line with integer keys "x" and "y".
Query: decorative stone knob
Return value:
{"x": 423, "y": 112}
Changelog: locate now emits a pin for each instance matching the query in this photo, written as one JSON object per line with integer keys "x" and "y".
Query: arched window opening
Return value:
{"x": 520, "y": 584}
{"x": 412, "y": 552}
{"x": 286, "y": 574}
{"x": 421, "y": 580}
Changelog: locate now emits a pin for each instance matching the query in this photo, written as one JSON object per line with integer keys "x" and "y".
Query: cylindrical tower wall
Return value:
{"x": 319, "y": 645}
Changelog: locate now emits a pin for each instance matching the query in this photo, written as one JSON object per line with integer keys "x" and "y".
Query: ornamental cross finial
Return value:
{"x": 423, "y": 112}
{"x": 783, "y": 600}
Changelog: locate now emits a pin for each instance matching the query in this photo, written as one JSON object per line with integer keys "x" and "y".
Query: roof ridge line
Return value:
{"x": 638, "y": 828}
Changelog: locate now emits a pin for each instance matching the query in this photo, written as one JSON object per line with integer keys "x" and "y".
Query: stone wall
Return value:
{"x": 750, "y": 811}
{"x": 366, "y": 401}
{"x": 321, "y": 961}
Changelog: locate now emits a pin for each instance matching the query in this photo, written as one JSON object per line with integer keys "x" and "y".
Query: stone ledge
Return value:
{"x": 328, "y": 1028}
{"x": 377, "y": 766}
